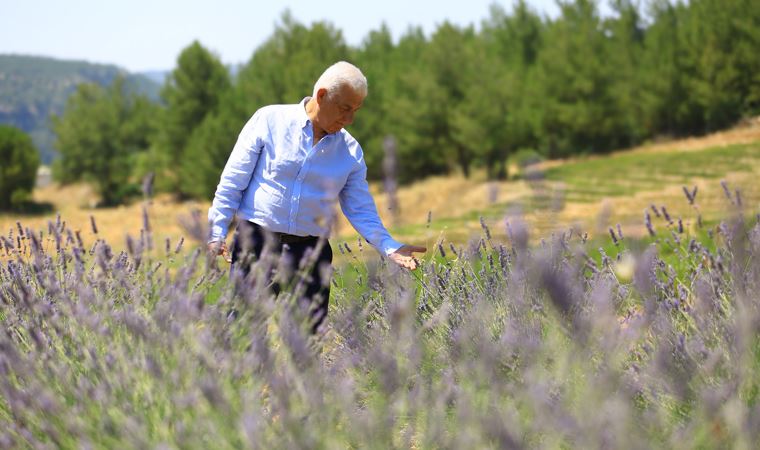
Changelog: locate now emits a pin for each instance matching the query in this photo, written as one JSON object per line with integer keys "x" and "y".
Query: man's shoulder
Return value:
{"x": 354, "y": 149}
{"x": 278, "y": 110}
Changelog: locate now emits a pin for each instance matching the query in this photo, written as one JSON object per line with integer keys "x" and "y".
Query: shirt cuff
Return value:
{"x": 217, "y": 234}
{"x": 390, "y": 245}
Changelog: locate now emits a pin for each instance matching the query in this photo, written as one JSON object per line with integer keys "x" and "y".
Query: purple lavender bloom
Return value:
{"x": 648, "y": 223}
{"x": 726, "y": 191}
{"x": 688, "y": 195}
{"x": 179, "y": 245}
{"x": 93, "y": 225}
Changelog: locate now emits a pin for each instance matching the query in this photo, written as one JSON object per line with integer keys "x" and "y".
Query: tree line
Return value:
{"x": 464, "y": 97}
{"x": 32, "y": 88}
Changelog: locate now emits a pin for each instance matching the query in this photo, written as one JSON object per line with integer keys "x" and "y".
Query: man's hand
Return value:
{"x": 217, "y": 248}
{"x": 404, "y": 256}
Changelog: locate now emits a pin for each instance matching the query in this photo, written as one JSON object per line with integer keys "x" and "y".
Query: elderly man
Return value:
{"x": 290, "y": 165}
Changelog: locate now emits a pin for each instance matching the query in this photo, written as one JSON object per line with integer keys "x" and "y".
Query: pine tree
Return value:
{"x": 192, "y": 91}
{"x": 285, "y": 67}
{"x": 579, "y": 112}
{"x": 209, "y": 147}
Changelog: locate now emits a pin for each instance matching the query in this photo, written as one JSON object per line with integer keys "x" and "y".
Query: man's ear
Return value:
{"x": 321, "y": 94}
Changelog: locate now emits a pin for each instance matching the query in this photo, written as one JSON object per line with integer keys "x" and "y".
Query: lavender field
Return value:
{"x": 527, "y": 343}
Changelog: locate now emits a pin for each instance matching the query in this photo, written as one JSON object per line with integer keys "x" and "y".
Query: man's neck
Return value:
{"x": 311, "y": 108}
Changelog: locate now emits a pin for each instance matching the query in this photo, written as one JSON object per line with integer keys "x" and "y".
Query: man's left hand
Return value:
{"x": 404, "y": 256}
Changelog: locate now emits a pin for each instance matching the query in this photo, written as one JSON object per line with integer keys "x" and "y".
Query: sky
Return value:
{"x": 147, "y": 35}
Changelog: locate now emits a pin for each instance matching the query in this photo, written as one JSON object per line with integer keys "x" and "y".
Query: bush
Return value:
{"x": 494, "y": 346}
{"x": 18, "y": 168}
{"x": 525, "y": 157}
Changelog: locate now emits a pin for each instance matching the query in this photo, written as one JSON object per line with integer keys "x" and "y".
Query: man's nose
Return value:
{"x": 348, "y": 118}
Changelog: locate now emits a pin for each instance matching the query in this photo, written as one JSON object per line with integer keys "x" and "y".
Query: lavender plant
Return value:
{"x": 494, "y": 345}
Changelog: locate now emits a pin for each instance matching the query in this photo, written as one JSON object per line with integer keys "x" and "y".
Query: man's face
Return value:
{"x": 337, "y": 111}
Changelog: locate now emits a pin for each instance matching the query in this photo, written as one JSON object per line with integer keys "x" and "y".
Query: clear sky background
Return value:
{"x": 142, "y": 35}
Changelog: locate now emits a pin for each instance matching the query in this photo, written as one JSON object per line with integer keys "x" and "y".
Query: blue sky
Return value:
{"x": 142, "y": 35}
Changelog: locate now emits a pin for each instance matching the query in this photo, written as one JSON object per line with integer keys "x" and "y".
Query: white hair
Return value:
{"x": 339, "y": 74}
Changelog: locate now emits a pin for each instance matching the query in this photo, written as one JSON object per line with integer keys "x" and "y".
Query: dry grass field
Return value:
{"x": 590, "y": 194}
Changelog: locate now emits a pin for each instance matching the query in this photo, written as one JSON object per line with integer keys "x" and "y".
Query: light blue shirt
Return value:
{"x": 276, "y": 178}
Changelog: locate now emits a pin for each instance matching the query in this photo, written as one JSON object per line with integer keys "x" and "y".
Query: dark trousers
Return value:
{"x": 295, "y": 266}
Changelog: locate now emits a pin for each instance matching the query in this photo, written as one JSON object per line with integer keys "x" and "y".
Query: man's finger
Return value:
{"x": 416, "y": 249}
{"x": 225, "y": 253}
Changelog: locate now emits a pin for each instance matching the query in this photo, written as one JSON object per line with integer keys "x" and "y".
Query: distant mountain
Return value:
{"x": 157, "y": 76}
{"x": 33, "y": 88}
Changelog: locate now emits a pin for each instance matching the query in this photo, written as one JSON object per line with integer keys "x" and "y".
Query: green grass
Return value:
{"x": 628, "y": 173}
{"x": 589, "y": 181}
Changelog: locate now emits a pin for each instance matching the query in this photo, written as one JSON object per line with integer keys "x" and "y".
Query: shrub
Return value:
{"x": 18, "y": 170}
{"x": 525, "y": 157}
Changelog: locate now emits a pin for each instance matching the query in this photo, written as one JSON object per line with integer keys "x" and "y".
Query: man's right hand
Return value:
{"x": 217, "y": 248}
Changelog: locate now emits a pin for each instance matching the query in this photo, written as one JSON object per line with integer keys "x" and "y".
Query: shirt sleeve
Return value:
{"x": 359, "y": 207}
{"x": 236, "y": 176}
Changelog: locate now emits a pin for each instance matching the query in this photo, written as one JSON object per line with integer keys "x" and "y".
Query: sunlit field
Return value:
{"x": 588, "y": 194}
{"x": 644, "y": 343}
{"x": 534, "y": 320}
{"x": 583, "y": 176}
{"x": 588, "y": 303}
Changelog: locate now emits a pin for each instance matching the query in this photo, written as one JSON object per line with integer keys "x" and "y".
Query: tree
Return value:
{"x": 452, "y": 61}
{"x": 722, "y": 42}
{"x": 500, "y": 101}
{"x": 575, "y": 82}
{"x": 193, "y": 91}
{"x": 99, "y": 136}
{"x": 478, "y": 121}
{"x": 625, "y": 47}
{"x": 464, "y": 97}
{"x": 377, "y": 58}
{"x": 410, "y": 111}
{"x": 18, "y": 171}
{"x": 209, "y": 147}
{"x": 285, "y": 67}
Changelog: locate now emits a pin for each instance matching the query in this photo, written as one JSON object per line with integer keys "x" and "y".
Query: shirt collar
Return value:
{"x": 303, "y": 118}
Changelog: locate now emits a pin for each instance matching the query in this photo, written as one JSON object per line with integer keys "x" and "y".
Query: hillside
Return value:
{"x": 592, "y": 194}
{"x": 34, "y": 88}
